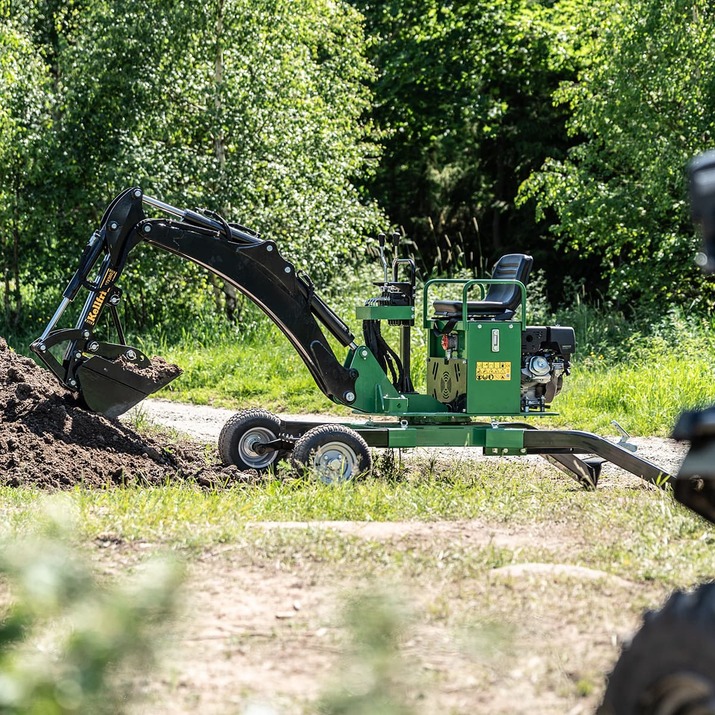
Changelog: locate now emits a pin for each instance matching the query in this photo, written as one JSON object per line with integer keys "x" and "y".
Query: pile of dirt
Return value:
{"x": 48, "y": 440}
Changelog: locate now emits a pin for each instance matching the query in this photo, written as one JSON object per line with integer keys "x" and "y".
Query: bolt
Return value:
{"x": 78, "y": 355}
{"x": 287, "y": 269}
{"x": 131, "y": 355}
{"x": 73, "y": 383}
{"x": 479, "y": 327}
{"x": 85, "y": 334}
{"x": 363, "y": 353}
{"x": 269, "y": 247}
{"x": 137, "y": 193}
{"x": 349, "y": 396}
{"x": 114, "y": 300}
{"x": 113, "y": 226}
{"x": 42, "y": 347}
{"x": 93, "y": 346}
{"x": 147, "y": 228}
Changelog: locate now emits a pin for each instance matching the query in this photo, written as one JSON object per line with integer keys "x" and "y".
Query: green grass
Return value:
{"x": 645, "y": 398}
{"x": 645, "y": 382}
{"x": 635, "y": 531}
{"x": 268, "y": 374}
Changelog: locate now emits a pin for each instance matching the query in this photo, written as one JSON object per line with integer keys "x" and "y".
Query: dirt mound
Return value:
{"x": 48, "y": 440}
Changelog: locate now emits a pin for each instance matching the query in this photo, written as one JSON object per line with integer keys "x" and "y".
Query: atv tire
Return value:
{"x": 241, "y": 434}
{"x": 669, "y": 666}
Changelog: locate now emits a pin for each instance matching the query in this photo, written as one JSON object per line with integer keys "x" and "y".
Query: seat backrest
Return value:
{"x": 501, "y": 300}
{"x": 513, "y": 267}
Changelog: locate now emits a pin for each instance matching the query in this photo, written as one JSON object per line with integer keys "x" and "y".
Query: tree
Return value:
{"x": 464, "y": 98}
{"x": 255, "y": 109}
{"x": 251, "y": 108}
{"x": 641, "y": 108}
{"x": 25, "y": 127}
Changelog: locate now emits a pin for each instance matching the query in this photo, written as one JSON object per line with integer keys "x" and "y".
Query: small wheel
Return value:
{"x": 241, "y": 435}
{"x": 334, "y": 452}
{"x": 669, "y": 666}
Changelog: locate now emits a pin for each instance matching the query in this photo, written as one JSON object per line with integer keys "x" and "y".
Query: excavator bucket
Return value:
{"x": 113, "y": 383}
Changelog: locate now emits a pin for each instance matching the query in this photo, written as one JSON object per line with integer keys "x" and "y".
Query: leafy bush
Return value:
{"x": 641, "y": 108}
{"x": 372, "y": 680}
{"x": 67, "y": 639}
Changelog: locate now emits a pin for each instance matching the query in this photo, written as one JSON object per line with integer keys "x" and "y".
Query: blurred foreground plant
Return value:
{"x": 372, "y": 681}
{"x": 66, "y": 641}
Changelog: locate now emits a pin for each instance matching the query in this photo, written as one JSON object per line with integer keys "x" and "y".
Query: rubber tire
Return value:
{"x": 331, "y": 442}
{"x": 236, "y": 435}
{"x": 673, "y": 653}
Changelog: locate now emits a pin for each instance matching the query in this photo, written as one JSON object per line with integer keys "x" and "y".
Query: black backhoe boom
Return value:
{"x": 111, "y": 378}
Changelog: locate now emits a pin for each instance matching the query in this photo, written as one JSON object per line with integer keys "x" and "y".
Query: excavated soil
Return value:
{"x": 48, "y": 440}
{"x": 158, "y": 370}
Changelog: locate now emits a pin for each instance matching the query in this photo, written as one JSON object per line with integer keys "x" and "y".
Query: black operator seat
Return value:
{"x": 501, "y": 300}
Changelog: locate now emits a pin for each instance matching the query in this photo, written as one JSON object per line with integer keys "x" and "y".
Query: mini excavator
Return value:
{"x": 484, "y": 362}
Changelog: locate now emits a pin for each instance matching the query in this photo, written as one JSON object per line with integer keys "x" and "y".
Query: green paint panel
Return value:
{"x": 396, "y": 405}
{"x": 504, "y": 438}
{"x": 376, "y": 395}
{"x": 493, "y": 368}
{"x": 419, "y": 404}
{"x": 402, "y": 438}
{"x": 470, "y": 435}
{"x": 372, "y": 385}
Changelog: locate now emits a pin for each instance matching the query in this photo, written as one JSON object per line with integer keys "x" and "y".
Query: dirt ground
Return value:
{"x": 264, "y": 634}
{"x": 48, "y": 440}
{"x": 262, "y": 631}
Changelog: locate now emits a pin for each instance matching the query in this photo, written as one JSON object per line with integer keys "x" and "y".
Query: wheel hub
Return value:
{"x": 250, "y": 451}
{"x": 335, "y": 462}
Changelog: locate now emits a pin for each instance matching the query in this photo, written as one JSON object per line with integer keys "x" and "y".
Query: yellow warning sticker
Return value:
{"x": 493, "y": 371}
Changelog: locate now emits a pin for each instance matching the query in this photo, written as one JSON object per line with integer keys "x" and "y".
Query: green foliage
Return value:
{"x": 371, "y": 681}
{"x": 463, "y": 96}
{"x": 25, "y": 115}
{"x": 223, "y": 118}
{"x": 253, "y": 109}
{"x": 262, "y": 111}
{"x": 641, "y": 108}
{"x": 642, "y": 380}
{"x": 65, "y": 636}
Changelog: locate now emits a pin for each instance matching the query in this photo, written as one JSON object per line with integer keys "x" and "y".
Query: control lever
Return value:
{"x": 396, "y": 243}
{"x": 381, "y": 242}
